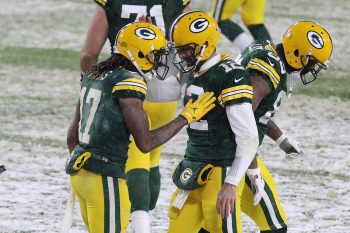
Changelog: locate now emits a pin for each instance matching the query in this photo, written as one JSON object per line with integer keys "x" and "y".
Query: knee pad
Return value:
{"x": 138, "y": 186}
{"x": 230, "y": 29}
{"x": 259, "y": 32}
{"x": 154, "y": 186}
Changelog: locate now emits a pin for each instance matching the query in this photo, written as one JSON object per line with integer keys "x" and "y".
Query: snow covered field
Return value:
{"x": 36, "y": 105}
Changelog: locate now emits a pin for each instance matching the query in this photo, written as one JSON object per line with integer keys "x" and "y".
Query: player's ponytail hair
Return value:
{"x": 114, "y": 62}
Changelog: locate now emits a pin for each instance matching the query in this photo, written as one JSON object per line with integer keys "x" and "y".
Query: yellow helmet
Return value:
{"x": 307, "y": 47}
{"x": 143, "y": 44}
{"x": 195, "y": 30}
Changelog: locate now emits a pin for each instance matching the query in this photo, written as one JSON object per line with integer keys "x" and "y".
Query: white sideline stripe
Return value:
{"x": 111, "y": 204}
{"x": 271, "y": 210}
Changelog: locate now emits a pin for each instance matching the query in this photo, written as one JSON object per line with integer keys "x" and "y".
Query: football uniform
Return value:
{"x": 211, "y": 140}
{"x": 252, "y": 14}
{"x": 160, "y": 106}
{"x": 252, "y": 11}
{"x": 121, "y": 12}
{"x": 98, "y": 161}
{"x": 261, "y": 59}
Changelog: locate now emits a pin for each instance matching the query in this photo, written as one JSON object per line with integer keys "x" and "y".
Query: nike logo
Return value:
{"x": 271, "y": 64}
{"x": 237, "y": 80}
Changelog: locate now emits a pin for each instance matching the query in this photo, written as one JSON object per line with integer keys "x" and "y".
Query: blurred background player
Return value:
{"x": 110, "y": 111}
{"x": 252, "y": 14}
{"x": 161, "y": 99}
{"x": 305, "y": 50}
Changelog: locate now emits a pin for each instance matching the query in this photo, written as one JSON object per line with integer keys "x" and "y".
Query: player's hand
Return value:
{"x": 290, "y": 146}
{"x": 195, "y": 111}
{"x": 144, "y": 18}
{"x": 225, "y": 202}
{"x": 257, "y": 184}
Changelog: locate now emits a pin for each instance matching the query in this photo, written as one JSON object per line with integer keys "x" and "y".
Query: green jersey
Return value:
{"x": 102, "y": 130}
{"x": 122, "y": 12}
{"x": 211, "y": 139}
{"x": 260, "y": 58}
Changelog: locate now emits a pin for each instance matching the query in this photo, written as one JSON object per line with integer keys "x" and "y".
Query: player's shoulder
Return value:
{"x": 122, "y": 75}
{"x": 264, "y": 52}
{"x": 230, "y": 69}
{"x": 124, "y": 80}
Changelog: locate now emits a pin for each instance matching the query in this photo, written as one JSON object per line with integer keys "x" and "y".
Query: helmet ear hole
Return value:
{"x": 141, "y": 55}
{"x": 296, "y": 52}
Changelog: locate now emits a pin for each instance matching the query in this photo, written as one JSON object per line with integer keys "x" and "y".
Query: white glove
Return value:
{"x": 257, "y": 184}
{"x": 290, "y": 146}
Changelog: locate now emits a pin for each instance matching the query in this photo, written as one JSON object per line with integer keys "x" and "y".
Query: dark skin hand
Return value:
{"x": 136, "y": 121}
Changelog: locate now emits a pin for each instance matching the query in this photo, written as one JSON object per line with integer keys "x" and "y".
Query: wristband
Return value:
{"x": 280, "y": 139}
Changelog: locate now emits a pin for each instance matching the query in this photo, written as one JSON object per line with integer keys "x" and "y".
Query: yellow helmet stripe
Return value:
{"x": 262, "y": 66}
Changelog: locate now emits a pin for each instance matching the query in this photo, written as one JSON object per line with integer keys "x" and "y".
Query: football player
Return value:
{"x": 110, "y": 110}
{"x": 305, "y": 50}
{"x": 252, "y": 14}
{"x": 161, "y": 99}
{"x": 225, "y": 137}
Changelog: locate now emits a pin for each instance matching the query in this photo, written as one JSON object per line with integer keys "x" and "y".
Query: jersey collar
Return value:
{"x": 208, "y": 64}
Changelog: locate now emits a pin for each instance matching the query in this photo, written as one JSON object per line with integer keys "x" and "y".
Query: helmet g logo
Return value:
{"x": 145, "y": 33}
{"x": 315, "y": 39}
{"x": 185, "y": 175}
{"x": 199, "y": 25}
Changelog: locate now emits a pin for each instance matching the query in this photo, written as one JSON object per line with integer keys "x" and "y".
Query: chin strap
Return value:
{"x": 133, "y": 61}
{"x": 200, "y": 56}
{"x": 292, "y": 76}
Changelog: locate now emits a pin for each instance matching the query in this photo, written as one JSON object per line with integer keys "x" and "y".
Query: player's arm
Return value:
{"x": 260, "y": 90}
{"x": 72, "y": 134}
{"x": 95, "y": 39}
{"x": 273, "y": 131}
{"x": 137, "y": 123}
{"x": 242, "y": 122}
{"x": 289, "y": 145}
